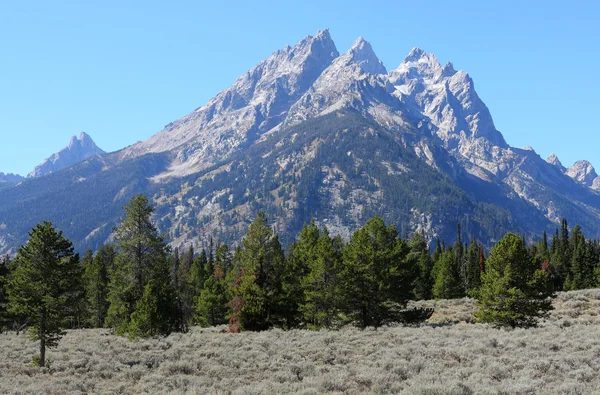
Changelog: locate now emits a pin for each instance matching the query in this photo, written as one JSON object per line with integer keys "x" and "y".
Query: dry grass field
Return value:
{"x": 448, "y": 355}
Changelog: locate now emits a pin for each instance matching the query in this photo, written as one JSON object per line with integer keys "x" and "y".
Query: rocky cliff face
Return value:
{"x": 256, "y": 103}
{"x": 79, "y": 149}
{"x": 312, "y": 133}
{"x": 583, "y": 172}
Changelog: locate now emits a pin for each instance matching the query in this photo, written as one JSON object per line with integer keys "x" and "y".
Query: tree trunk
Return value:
{"x": 43, "y": 340}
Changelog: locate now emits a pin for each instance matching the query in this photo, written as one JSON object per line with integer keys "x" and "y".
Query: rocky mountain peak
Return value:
{"x": 583, "y": 172}
{"x": 257, "y": 102}
{"x": 415, "y": 55}
{"x": 418, "y": 63}
{"x": 553, "y": 160}
{"x": 362, "y": 54}
{"x": 78, "y": 149}
{"x": 448, "y": 70}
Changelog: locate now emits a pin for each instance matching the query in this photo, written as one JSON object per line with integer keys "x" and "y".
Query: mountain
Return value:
{"x": 312, "y": 133}
{"x": 9, "y": 179}
{"x": 582, "y": 171}
{"x": 79, "y": 148}
{"x": 553, "y": 160}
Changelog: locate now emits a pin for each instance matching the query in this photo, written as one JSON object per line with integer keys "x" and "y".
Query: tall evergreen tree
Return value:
{"x": 514, "y": 290}
{"x": 301, "y": 255}
{"x": 198, "y": 276}
{"x": 44, "y": 284}
{"x": 438, "y": 250}
{"x": 579, "y": 276}
{"x": 5, "y": 319}
{"x": 446, "y": 277}
{"x": 212, "y": 307}
{"x": 320, "y": 287}
{"x": 224, "y": 258}
{"x": 419, "y": 254}
{"x": 473, "y": 267}
{"x": 96, "y": 279}
{"x": 185, "y": 289}
{"x": 258, "y": 285}
{"x": 178, "y": 286}
{"x": 157, "y": 311}
{"x": 460, "y": 261}
{"x": 376, "y": 277}
{"x": 142, "y": 256}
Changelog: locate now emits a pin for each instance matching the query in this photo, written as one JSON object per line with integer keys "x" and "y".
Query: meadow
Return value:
{"x": 447, "y": 355}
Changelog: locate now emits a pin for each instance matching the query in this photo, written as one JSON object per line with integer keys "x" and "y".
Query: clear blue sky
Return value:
{"x": 121, "y": 70}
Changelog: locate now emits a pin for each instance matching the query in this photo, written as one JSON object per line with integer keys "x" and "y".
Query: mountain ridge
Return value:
{"x": 290, "y": 137}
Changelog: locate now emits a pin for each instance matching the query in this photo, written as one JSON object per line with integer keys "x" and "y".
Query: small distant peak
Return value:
{"x": 415, "y": 54}
{"x": 553, "y": 160}
{"x": 582, "y": 171}
{"x": 528, "y": 148}
{"x": 582, "y": 165}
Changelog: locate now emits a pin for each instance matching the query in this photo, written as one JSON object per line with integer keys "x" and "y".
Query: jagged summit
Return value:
{"x": 362, "y": 54}
{"x": 323, "y": 33}
{"x": 257, "y": 102}
{"x": 414, "y": 55}
{"x": 583, "y": 172}
{"x": 79, "y": 149}
{"x": 448, "y": 98}
{"x": 312, "y": 133}
{"x": 553, "y": 160}
{"x": 422, "y": 63}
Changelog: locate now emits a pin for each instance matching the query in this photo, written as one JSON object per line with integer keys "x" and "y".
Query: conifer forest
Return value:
{"x": 137, "y": 288}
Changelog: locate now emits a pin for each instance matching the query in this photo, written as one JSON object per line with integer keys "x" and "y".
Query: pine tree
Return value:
{"x": 419, "y": 254}
{"x": 197, "y": 277}
{"x": 301, "y": 255}
{"x": 44, "y": 284}
{"x": 320, "y": 287}
{"x": 142, "y": 253}
{"x": 473, "y": 267}
{"x": 481, "y": 262}
{"x": 579, "y": 275}
{"x": 185, "y": 289}
{"x": 460, "y": 261}
{"x": 446, "y": 277}
{"x": 212, "y": 307}
{"x": 224, "y": 258}
{"x": 178, "y": 286}
{"x": 514, "y": 290}
{"x": 376, "y": 277}
{"x": 156, "y": 313}
{"x": 5, "y": 318}
{"x": 96, "y": 279}
{"x": 258, "y": 285}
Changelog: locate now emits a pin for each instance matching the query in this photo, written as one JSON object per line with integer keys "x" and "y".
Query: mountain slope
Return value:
{"x": 256, "y": 102}
{"x": 311, "y": 133}
{"x": 79, "y": 148}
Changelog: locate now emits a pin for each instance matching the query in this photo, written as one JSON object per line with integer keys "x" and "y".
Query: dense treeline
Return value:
{"x": 139, "y": 287}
